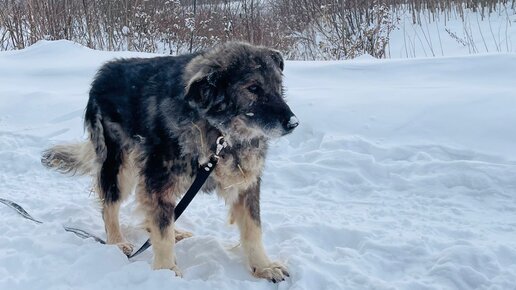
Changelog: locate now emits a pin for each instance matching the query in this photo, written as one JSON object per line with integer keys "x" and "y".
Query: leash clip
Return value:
{"x": 221, "y": 144}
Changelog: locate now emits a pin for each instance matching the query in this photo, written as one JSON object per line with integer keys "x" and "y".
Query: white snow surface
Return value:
{"x": 401, "y": 175}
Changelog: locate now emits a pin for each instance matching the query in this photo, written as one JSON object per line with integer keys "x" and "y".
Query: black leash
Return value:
{"x": 80, "y": 233}
{"x": 19, "y": 209}
{"x": 203, "y": 173}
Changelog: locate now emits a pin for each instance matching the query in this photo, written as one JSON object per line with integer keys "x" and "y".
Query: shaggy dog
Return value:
{"x": 153, "y": 121}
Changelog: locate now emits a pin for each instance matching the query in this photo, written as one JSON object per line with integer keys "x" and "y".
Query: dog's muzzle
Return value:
{"x": 291, "y": 124}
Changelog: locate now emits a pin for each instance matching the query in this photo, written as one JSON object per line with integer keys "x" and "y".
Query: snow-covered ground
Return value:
{"x": 402, "y": 175}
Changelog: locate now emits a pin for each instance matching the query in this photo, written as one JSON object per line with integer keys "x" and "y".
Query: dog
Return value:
{"x": 152, "y": 121}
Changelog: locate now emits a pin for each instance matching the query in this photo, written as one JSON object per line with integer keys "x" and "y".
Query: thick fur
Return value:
{"x": 78, "y": 158}
{"x": 152, "y": 121}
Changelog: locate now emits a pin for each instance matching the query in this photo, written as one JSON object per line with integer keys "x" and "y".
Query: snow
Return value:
{"x": 401, "y": 175}
{"x": 449, "y": 35}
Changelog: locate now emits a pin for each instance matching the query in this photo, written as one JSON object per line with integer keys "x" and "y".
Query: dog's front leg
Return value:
{"x": 246, "y": 213}
{"x": 159, "y": 216}
{"x": 163, "y": 242}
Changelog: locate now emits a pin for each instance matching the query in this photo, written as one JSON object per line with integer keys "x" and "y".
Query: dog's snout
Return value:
{"x": 291, "y": 123}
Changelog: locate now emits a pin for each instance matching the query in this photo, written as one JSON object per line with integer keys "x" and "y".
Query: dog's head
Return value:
{"x": 238, "y": 89}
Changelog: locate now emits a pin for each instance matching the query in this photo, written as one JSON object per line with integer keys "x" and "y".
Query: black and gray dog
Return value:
{"x": 152, "y": 121}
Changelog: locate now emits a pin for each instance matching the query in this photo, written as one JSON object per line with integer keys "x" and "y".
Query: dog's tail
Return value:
{"x": 80, "y": 158}
{"x": 75, "y": 158}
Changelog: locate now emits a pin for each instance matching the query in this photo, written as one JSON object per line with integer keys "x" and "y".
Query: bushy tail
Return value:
{"x": 75, "y": 159}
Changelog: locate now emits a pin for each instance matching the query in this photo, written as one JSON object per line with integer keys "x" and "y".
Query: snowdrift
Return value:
{"x": 402, "y": 175}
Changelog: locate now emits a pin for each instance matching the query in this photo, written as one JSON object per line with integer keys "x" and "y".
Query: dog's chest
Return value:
{"x": 240, "y": 167}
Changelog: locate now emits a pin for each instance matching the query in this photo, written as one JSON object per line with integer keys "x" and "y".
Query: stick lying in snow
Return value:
{"x": 78, "y": 232}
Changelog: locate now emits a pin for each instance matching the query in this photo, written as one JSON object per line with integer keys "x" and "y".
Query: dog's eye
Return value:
{"x": 253, "y": 89}
{"x": 219, "y": 108}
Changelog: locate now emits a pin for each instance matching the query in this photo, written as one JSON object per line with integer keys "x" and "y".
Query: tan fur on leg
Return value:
{"x": 181, "y": 235}
{"x": 127, "y": 176}
{"x": 163, "y": 246}
{"x": 158, "y": 206}
{"x": 114, "y": 235}
{"x": 110, "y": 211}
{"x": 251, "y": 241}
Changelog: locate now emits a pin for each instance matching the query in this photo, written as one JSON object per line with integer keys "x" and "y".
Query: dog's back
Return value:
{"x": 121, "y": 87}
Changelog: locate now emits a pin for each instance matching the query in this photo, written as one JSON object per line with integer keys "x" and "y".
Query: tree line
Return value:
{"x": 302, "y": 29}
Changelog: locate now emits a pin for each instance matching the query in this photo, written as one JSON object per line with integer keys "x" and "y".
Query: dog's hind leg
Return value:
{"x": 246, "y": 213}
{"x": 113, "y": 170}
{"x": 181, "y": 235}
{"x": 115, "y": 183}
{"x": 110, "y": 213}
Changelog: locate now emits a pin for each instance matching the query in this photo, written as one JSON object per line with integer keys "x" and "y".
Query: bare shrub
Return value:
{"x": 329, "y": 29}
{"x": 302, "y": 29}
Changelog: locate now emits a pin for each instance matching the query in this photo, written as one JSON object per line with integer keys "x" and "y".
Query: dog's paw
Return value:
{"x": 172, "y": 267}
{"x": 176, "y": 270}
{"x": 126, "y": 248}
{"x": 180, "y": 235}
{"x": 274, "y": 272}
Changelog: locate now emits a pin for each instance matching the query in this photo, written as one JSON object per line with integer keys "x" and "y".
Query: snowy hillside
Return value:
{"x": 450, "y": 34}
{"x": 402, "y": 175}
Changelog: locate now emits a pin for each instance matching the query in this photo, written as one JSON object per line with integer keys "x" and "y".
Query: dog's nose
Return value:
{"x": 292, "y": 123}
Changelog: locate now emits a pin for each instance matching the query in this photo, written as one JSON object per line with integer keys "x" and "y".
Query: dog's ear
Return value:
{"x": 203, "y": 90}
{"x": 277, "y": 58}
